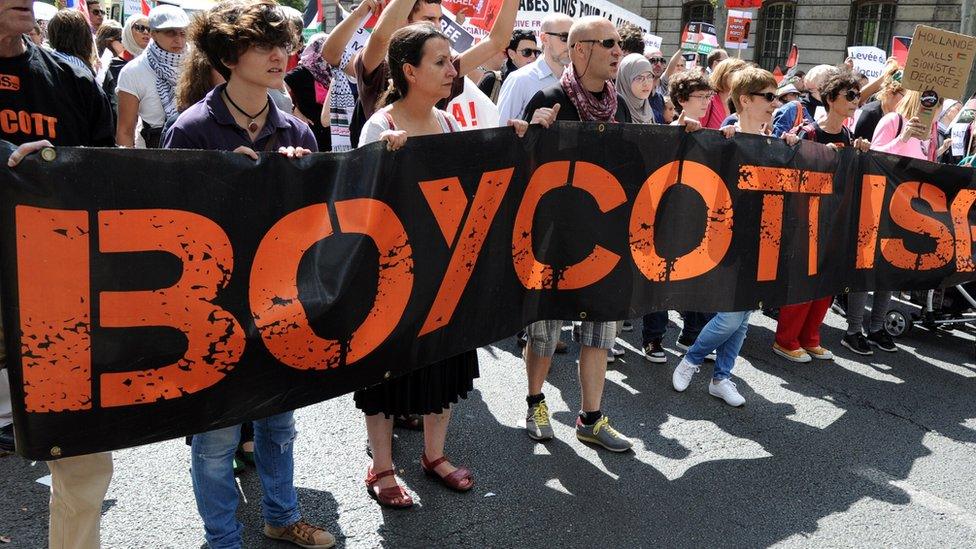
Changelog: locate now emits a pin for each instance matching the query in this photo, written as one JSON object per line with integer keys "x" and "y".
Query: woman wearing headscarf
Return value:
{"x": 147, "y": 84}
{"x": 308, "y": 85}
{"x": 135, "y": 39}
{"x": 635, "y": 86}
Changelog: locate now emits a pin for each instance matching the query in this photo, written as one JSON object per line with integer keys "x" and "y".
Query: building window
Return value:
{"x": 776, "y": 34}
{"x": 871, "y": 24}
{"x": 697, "y": 12}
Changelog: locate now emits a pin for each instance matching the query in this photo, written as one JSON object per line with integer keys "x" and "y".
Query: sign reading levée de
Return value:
{"x": 182, "y": 291}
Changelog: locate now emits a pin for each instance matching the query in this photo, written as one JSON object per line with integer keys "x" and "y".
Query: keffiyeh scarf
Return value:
{"x": 311, "y": 58}
{"x": 590, "y": 108}
{"x": 166, "y": 66}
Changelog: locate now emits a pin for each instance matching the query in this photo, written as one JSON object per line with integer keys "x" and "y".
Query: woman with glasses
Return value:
{"x": 798, "y": 325}
{"x": 753, "y": 92}
{"x": 635, "y": 90}
{"x": 135, "y": 39}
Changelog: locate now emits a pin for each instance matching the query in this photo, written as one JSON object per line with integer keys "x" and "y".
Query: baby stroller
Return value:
{"x": 947, "y": 309}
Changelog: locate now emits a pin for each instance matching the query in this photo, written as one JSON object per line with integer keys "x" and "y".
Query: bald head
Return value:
{"x": 590, "y": 27}
{"x": 557, "y": 22}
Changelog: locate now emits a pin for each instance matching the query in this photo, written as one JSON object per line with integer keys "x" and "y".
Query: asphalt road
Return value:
{"x": 855, "y": 453}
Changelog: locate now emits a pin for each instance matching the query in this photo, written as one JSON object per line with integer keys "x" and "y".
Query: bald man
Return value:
{"x": 585, "y": 92}
{"x": 521, "y": 85}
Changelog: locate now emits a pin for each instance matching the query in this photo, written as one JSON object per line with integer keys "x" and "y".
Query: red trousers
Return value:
{"x": 799, "y": 325}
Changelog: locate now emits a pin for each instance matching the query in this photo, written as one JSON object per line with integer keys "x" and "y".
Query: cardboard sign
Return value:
{"x": 938, "y": 65}
{"x": 899, "y": 49}
{"x": 868, "y": 60}
{"x": 737, "y": 30}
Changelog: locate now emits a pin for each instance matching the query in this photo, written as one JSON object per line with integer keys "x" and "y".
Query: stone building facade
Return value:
{"x": 821, "y": 29}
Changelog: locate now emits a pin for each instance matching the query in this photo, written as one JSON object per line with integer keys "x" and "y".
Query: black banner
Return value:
{"x": 153, "y": 294}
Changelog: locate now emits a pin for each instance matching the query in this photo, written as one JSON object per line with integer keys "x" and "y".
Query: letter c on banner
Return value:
{"x": 215, "y": 341}
{"x": 273, "y": 292}
{"x": 603, "y": 187}
{"x": 718, "y": 228}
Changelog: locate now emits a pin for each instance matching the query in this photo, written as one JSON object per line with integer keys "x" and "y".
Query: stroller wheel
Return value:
{"x": 896, "y": 324}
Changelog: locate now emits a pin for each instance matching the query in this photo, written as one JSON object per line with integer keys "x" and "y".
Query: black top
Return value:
{"x": 43, "y": 97}
{"x": 302, "y": 85}
{"x": 810, "y": 103}
{"x": 115, "y": 66}
{"x": 487, "y": 83}
{"x": 567, "y": 110}
{"x": 871, "y": 114}
{"x": 842, "y": 139}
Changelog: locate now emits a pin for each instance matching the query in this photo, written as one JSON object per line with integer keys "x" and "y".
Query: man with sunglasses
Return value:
{"x": 585, "y": 92}
{"x": 96, "y": 15}
{"x": 521, "y": 51}
{"x": 520, "y": 85}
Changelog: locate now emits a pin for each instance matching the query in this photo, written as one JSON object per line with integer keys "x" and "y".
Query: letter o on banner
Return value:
{"x": 273, "y": 293}
{"x": 718, "y": 226}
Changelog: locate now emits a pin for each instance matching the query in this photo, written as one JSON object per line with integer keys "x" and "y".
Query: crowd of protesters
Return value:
{"x": 240, "y": 78}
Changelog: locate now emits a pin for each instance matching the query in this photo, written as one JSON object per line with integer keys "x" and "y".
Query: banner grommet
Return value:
{"x": 601, "y": 128}
{"x": 56, "y": 451}
{"x": 48, "y": 154}
{"x": 582, "y": 315}
{"x": 386, "y": 375}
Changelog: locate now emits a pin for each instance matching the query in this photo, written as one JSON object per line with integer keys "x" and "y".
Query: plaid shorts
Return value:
{"x": 544, "y": 334}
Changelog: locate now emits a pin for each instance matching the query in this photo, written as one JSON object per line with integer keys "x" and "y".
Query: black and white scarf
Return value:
{"x": 166, "y": 66}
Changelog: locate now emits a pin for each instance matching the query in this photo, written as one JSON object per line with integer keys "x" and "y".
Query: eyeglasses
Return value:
{"x": 852, "y": 95}
{"x": 97, "y": 12}
{"x": 704, "y": 96}
{"x": 609, "y": 43}
{"x": 768, "y": 96}
{"x": 562, "y": 36}
{"x": 529, "y": 52}
{"x": 646, "y": 77}
{"x": 140, "y": 28}
{"x": 266, "y": 49}
{"x": 657, "y": 60}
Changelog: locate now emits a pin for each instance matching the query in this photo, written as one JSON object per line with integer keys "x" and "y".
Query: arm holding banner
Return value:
{"x": 335, "y": 44}
{"x": 497, "y": 40}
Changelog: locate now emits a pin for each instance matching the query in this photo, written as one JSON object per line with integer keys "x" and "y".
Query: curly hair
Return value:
{"x": 631, "y": 38}
{"x": 683, "y": 84}
{"x": 231, "y": 27}
{"x": 837, "y": 83}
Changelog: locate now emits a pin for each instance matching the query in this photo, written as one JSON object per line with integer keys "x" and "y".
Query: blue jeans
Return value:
{"x": 723, "y": 334}
{"x": 653, "y": 326}
{"x": 213, "y": 477}
{"x": 693, "y": 324}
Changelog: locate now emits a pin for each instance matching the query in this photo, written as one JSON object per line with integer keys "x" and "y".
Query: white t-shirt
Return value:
{"x": 137, "y": 78}
{"x": 379, "y": 123}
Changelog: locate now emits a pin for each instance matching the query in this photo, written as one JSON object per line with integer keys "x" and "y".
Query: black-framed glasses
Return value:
{"x": 140, "y": 28}
{"x": 562, "y": 36}
{"x": 265, "y": 48}
{"x": 609, "y": 43}
{"x": 97, "y": 12}
{"x": 529, "y": 52}
{"x": 852, "y": 95}
{"x": 658, "y": 60}
{"x": 768, "y": 96}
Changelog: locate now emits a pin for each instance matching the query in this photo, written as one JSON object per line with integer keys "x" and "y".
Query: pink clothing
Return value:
{"x": 715, "y": 113}
{"x": 886, "y": 139}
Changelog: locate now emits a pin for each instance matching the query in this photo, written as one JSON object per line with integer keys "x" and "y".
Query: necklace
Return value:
{"x": 252, "y": 125}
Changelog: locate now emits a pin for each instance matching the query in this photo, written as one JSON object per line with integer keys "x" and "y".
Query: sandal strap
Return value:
{"x": 433, "y": 464}
{"x": 372, "y": 478}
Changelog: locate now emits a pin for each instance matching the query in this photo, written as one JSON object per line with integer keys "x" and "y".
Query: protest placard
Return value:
{"x": 652, "y": 42}
{"x": 699, "y": 37}
{"x": 899, "y": 49}
{"x": 737, "y": 30}
{"x": 481, "y": 13}
{"x": 868, "y": 60}
{"x": 743, "y": 3}
{"x": 938, "y": 65}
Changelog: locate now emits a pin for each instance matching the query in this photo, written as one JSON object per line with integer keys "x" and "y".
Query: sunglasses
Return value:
{"x": 609, "y": 43}
{"x": 140, "y": 28}
{"x": 562, "y": 36}
{"x": 529, "y": 52}
{"x": 768, "y": 96}
{"x": 96, "y": 12}
{"x": 265, "y": 49}
{"x": 658, "y": 60}
{"x": 852, "y": 95}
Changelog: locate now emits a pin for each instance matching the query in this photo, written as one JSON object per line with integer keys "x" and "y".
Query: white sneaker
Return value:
{"x": 726, "y": 391}
{"x": 682, "y": 375}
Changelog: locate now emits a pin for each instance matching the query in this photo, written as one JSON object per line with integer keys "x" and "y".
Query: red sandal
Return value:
{"x": 454, "y": 481}
{"x": 394, "y": 498}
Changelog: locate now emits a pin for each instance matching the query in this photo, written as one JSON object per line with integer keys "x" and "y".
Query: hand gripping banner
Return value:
{"x": 153, "y": 294}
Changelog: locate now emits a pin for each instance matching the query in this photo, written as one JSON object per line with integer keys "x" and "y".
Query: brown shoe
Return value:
{"x": 301, "y": 534}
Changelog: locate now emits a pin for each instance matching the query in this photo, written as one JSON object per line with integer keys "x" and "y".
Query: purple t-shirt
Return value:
{"x": 208, "y": 125}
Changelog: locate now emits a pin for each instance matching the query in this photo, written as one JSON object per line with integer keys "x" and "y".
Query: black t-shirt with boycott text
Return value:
{"x": 42, "y": 97}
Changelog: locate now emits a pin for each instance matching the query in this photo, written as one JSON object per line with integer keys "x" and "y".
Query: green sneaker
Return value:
{"x": 537, "y": 422}
{"x": 603, "y": 434}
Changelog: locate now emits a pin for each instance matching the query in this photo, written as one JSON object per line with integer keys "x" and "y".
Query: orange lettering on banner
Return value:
{"x": 965, "y": 233}
{"x": 770, "y": 236}
{"x": 490, "y": 192}
{"x": 608, "y": 194}
{"x": 215, "y": 341}
{"x": 55, "y": 312}
{"x": 273, "y": 292}
{"x": 813, "y": 234}
{"x": 906, "y": 217}
{"x": 718, "y": 222}
{"x": 869, "y": 219}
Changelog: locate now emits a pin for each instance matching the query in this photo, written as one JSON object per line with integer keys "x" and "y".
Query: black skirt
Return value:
{"x": 429, "y": 390}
